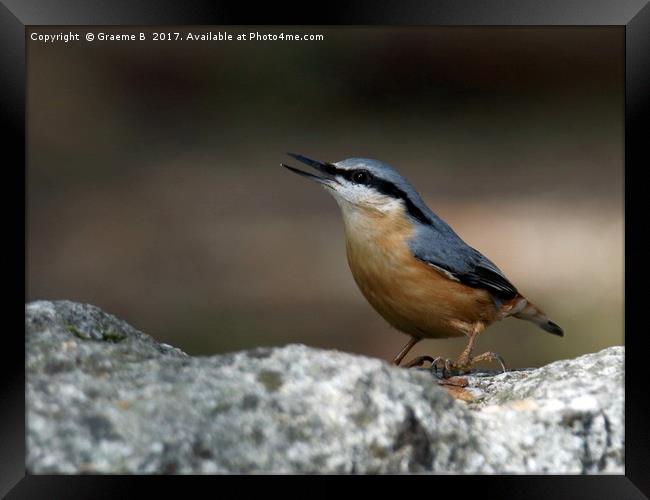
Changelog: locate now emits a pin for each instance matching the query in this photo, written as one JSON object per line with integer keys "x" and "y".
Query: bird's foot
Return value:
{"x": 450, "y": 381}
{"x": 462, "y": 365}
{"x": 447, "y": 365}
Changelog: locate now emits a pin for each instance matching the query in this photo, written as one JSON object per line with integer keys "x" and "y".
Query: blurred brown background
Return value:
{"x": 155, "y": 191}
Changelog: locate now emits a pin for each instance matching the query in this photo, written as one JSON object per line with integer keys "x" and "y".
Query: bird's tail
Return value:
{"x": 523, "y": 309}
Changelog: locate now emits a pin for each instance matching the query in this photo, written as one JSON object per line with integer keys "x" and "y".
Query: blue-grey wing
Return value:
{"x": 452, "y": 256}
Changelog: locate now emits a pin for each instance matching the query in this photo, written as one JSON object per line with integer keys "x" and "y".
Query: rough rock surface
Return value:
{"x": 104, "y": 397}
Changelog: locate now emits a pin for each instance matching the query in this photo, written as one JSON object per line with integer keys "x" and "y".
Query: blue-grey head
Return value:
{"x": 369, "y": 184}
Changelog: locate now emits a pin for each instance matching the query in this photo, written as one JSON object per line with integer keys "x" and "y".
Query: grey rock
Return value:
{"x": 103, "y": 397}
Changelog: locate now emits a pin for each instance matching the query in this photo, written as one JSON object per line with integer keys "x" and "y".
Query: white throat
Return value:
{"x": 369, "y": 216}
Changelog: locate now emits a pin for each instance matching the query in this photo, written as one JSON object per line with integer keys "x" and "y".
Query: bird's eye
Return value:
{"x": 361, "y": 177}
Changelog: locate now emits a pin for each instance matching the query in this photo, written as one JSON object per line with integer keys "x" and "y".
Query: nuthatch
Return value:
{"x": 412, "y": 267}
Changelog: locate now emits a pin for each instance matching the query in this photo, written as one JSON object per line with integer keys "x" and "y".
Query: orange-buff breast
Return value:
{"x": 411, "y": 295}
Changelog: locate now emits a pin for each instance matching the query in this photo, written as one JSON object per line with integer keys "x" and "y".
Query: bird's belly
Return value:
{"x": 414, "y": 297}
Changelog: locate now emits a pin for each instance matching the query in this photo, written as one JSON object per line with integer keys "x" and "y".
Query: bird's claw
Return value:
{"x": 447, "y": 367}
{"x": 500, "y": 360}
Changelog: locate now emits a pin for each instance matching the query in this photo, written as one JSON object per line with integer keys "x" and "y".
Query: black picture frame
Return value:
{"x": 631, "y": 15}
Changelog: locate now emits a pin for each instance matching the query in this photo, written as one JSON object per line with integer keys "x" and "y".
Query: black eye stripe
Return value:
{"x": 384, "y": 187}
{"x": 390, "y": 189}
{"x": 350, "y": 174}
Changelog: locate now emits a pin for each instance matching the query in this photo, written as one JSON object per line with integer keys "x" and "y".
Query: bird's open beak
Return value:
{"x": 327, "y": 170}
